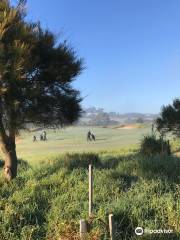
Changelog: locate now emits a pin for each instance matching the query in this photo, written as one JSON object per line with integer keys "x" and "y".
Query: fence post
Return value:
{"x": 111, "y": 227}
{"x": 90, "y": 189}
{"x": 83, "y": 229}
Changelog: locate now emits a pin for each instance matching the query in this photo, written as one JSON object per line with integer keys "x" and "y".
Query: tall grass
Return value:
{"x": 48, "y": 201}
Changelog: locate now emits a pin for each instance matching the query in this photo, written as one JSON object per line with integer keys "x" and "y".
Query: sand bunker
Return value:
{"x": 129, "y": 126}
{"x": 177, "y": 154}
{"x": 18, "y": 140}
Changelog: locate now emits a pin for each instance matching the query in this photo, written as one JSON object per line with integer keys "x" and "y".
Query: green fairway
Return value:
{"x": 73, "y": 139}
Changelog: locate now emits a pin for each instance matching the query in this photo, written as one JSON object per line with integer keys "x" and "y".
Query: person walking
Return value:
{"x": 41, "y": 137}
{"x": 34, "y": 138}
{"x": 89, "y": 136}
{"x": 44, "y": 136}
{"x": 93, "y": 137}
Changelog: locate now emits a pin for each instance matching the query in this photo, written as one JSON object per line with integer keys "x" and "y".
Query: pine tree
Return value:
{"x": 169, "y": 120}
{"x": 35, "y": 80}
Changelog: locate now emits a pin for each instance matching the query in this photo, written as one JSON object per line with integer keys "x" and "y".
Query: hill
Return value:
{"x": 98, "y": 117}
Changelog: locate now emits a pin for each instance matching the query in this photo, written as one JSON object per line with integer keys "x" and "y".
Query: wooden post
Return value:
{"x": 90, "y": 189}
{"x": 83, "y": 229}
{"x": 111, "y": 227}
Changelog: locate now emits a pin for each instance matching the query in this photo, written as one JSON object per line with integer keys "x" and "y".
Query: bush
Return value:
{"x": 150, "y": 145}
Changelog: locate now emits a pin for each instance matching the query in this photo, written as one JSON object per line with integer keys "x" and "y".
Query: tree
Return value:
{"x": 169, "y": 120}
{"x": 35, "y": 80}
{"x": 140, "y": 120}
{"x": 100, "y": 119}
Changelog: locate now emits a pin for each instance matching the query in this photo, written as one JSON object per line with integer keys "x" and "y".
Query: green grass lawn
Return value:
{"x": 46, "y": 202}
{"x": 73, "y": 139}
{"x": 50, "y": 194}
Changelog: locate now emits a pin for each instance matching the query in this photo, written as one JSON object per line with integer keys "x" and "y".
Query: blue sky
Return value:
{"x": 131, "y": 49}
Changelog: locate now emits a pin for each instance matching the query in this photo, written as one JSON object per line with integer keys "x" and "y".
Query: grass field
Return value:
{"x": 73, "y": 139}
{"x": 50, "y": 194}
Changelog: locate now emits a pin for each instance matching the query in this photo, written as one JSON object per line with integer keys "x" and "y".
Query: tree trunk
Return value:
{"x": 8, "y": 147}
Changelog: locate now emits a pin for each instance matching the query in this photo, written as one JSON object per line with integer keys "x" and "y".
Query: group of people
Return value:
{"x": 42, "y": 137}
{"x": 90, "y": 136}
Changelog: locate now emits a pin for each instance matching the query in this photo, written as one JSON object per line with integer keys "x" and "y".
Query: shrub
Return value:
{"x": 151, "y": 145}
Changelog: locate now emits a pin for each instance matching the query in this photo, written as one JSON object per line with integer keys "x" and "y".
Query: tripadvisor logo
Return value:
{"x": 139, "y": 231}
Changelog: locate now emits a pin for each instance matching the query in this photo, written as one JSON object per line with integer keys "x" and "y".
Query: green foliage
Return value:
{"x": 169, "y": 120}
{"x": 102, "y": 119}
{"x": 151, "y": 145}
{"x": 48, "y": 201}
{"x": 36, "y": 73}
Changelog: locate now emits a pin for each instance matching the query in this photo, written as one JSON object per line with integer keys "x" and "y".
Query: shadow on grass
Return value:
{"x": 101, "y": 139}
{"x": 162, "y": 167}
{"x": 126, "y": 168}
{"x": 127, "y": 180}
{"x": 71, "y": 162}
{"x": 155, "y": 167}
{"x": 123, "y": 225}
